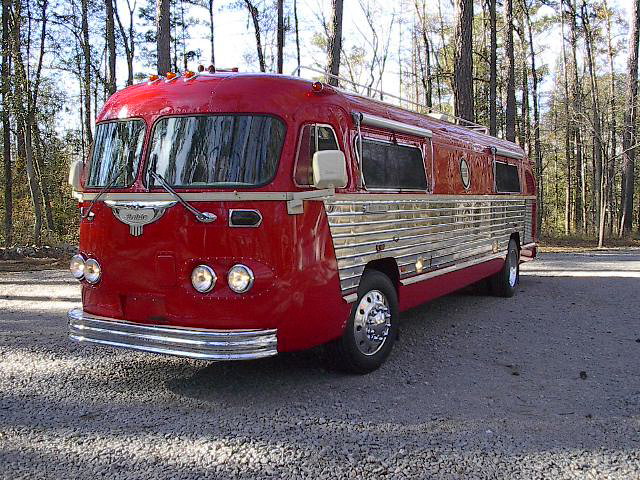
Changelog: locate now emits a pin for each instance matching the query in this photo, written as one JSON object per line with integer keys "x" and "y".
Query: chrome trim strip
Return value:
{"x": 441, "y": 230}
{"x": 196, "y": 343}
{"x": 508, "y": 153}
{"x": 393, "y": 125}
{"x": 452, "y": 268}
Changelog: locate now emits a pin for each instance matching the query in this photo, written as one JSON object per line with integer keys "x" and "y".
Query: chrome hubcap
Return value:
{"x": 513, "y": 270}
{"x": 372, "y": 322}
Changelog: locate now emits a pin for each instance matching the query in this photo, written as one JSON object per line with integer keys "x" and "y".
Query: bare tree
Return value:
{"x": 629, "y": 133}
{"x": 212, "y": 34}
{"x": 255, "y": 16}
{"x": 128, "y": 39}
{"x": 295, "y": 20}
{"x": 510, "y": 129}
{"x": 335, "y": 41}
{"x": 280, "y": 35}
{"x": 6, "y": 134}
{"x": 163, "y": 35}
{"x": 86, "y": 79}
{"x": 111, "y": 46}
{"x": 493, "y": 66}
{"x": 463, "y": 67}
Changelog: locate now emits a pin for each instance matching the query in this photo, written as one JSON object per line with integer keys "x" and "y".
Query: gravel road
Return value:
{"x": 544, "y": 385}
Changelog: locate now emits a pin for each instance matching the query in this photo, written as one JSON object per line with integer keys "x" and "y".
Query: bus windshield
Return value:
{"x": 216, "y": 150}
{"x": 117, "y": 145}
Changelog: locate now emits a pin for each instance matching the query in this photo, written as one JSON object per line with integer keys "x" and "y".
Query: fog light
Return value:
{"x": 92, "y": 271}
{"x": 77, "y": 266}
{"x": 203, "y": 278}
{"x": 240, "y": 278}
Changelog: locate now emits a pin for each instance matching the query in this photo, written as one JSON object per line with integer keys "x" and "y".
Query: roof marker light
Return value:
{"x": 171, "y": 75}
{"x": 317, "y": 87}
{"x": 201, "y": 68}
{"x": 189, "y": 74}
{"x": 153, "y": 78}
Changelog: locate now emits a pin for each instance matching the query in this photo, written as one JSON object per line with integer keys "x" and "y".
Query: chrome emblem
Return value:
{"x": 138, "y": 214}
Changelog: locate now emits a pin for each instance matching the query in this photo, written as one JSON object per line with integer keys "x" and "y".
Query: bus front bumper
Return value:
{"x": 195, "y": 343}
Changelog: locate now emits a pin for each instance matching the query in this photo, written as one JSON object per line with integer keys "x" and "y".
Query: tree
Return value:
{"x": 255, "y": 16}
{"x": 6, "y": 134}
{"x": 280, "y": 35}
{"x": 111, "y": 47}
{"x": 629, "y": 132}
{"x": 212, "y": 34}
{"x": 86, "y": 79}
{"x": 128, "y": 39}
{"x": 493, "y": 67}
{"x": 463, "y": 67}
{"x": 335, "y": 42}
{"x": 510, "y": 127}
{"x": 163, "y": 35}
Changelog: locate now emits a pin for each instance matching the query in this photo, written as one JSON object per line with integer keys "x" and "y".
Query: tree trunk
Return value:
{"x": 610, "y": 176}
{"x": 335, "y": 42}
{"x": 255, "y": 16}
{"x": 597, "y": 130}
{"x": 8, "y": 172}
{"x": 463, "y": 68}
{"x": 629, "y": 133}
{"x": 23, "y": 128}
{"x": 86, "y": 79}
{"x": 537, "y": 147}
{"x": 212, "y": 34}
{"x": 111, "y": 47}
{"x": 128, "y": 41}
{"x": 568, "y": 135}
{"x": 295, "y": 20}
{"x": 510, "y": 120}
{"x": 280, "y": 45}
{"x": 493, "y": 62}
{"x": 163, "y": 35}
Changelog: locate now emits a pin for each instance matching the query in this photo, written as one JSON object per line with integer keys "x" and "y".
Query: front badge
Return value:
{"x": 138, "y": 214}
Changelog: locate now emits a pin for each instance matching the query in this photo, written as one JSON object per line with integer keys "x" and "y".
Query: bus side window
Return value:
{"x": 313, "y": 138}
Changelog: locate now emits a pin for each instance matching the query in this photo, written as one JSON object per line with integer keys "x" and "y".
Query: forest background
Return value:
{"x": 558, "y": 77}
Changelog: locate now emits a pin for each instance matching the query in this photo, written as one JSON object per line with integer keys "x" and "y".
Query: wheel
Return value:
{"x": 372, "y": 327}
{"x": 504, "y": 283}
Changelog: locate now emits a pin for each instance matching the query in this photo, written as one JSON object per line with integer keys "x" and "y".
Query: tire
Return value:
{"x": 505, "y": 282}
{"x": 358, "y": 351}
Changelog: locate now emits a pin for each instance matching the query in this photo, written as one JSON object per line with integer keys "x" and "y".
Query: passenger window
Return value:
{"x": 390, "y": 166}
{"x": 507, "y": 178}
{"x": 313, "y": 138}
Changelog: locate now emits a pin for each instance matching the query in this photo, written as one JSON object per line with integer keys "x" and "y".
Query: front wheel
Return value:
{"x": 504, "y": 282}
{"x": 372, "y": 327}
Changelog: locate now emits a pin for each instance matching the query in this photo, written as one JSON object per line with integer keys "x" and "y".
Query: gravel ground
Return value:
{"x": 544, "y": 385}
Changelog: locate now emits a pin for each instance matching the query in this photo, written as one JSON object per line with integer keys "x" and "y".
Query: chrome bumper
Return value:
{"x": 185, "y": 342}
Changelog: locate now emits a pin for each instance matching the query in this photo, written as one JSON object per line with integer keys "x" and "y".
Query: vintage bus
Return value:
{"x": 231, "y": 216}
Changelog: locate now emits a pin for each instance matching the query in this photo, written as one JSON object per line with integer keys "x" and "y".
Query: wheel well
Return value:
{"x": 389, "y": 267}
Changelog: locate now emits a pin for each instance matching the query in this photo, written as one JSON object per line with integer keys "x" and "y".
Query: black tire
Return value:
{"x": 346, "y": 353}
{"x": 504, "y": 283}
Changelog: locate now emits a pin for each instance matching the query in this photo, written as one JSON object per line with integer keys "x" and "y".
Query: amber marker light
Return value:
{"x": 317, "y": 87}
{"x": 153, "y": 78}
{"x": 189, "y": 74}
{"x": 171, "y": 75}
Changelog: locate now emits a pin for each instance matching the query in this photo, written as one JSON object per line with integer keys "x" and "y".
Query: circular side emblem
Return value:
{"x": 465, "y": 173}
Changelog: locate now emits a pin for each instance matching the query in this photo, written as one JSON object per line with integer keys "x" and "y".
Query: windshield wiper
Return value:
{"x": 104, "y": 189}
{"x": 204, "y": 217}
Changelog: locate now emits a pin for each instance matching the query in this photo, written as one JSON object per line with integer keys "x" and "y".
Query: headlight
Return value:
{"x": 240, "y": 278}
{"x": 203, "y": 278}
{"x": 77, "y": 266}
{"x": 92, "y": 271}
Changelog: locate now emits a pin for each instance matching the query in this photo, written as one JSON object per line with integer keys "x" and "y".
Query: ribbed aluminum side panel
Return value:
{"x": 443, "y": 230}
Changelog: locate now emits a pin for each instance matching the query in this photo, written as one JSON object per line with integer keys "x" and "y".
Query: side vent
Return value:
{"x": 244, "y": 218}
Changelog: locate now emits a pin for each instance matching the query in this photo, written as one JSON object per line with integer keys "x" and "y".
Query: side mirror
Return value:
{"x": 75, "y": 173}
{"x": 329, "y": 169}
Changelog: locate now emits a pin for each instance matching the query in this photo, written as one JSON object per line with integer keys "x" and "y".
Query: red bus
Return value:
{"x": 232, "y": 216}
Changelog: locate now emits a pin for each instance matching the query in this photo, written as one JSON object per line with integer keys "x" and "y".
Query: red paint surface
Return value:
{"x": 147, "y": 278}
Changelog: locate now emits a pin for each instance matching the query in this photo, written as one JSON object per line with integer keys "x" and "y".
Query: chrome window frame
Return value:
{"x": 299, "y": 143}
{"x": 495, "y": 178}
{"x": 141, "y": 162}
{"x": 361, "y": 137}
{"x": 149, "y": 139}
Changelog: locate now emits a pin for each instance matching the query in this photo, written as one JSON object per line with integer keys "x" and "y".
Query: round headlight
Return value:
{"x": 92, "y": 270}
{"x": 203, "y": 278}
{"x": 77, "y": 266}
{"x": 240, "y": 278}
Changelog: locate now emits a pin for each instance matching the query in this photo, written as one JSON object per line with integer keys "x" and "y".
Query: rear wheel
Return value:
{"x": 372, "y": 327}
{"x": 504, "y": 282}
